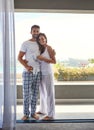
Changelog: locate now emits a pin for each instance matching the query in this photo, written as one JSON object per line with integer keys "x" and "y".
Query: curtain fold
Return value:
{"x": 7, "y": 66}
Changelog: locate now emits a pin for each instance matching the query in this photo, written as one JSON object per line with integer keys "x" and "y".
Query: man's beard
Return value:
{"x": 35, "y": 36}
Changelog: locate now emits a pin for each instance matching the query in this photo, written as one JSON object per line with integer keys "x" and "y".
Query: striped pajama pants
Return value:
{"x": 47, "y": 96}
{"x": 31, "y": 84}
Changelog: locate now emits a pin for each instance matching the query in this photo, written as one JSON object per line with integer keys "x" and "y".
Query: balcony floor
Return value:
{"x": 74, "y": 111}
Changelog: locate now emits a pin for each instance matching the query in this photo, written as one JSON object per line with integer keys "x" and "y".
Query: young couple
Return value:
{"x": 37, "y": 75}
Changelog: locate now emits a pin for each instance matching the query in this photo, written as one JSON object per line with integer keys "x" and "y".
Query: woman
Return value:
{"x": 47, "y": 94}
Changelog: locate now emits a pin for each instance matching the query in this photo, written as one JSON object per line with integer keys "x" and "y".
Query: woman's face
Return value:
{"x": 42, "y": 40}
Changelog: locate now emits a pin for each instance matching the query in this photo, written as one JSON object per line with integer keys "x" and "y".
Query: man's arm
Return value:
{"x": 23, "y": 62}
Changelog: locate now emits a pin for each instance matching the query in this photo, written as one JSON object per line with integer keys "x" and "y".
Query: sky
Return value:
{"x": 70, "y": 34}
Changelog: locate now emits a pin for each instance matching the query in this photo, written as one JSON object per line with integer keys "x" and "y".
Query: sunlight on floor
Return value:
{"x": 67, "y": 111}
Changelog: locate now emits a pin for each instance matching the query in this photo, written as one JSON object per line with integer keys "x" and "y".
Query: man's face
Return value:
{"x": 35, "y": 32}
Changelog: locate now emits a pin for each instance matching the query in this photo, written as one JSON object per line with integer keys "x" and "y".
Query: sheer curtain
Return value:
{"x": 7, "y": 66}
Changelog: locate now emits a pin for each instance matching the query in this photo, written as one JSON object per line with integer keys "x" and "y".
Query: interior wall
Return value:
{"x": 55, "y": 4}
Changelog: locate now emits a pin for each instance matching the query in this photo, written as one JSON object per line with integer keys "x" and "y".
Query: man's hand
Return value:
{"x": 29, "y": 68}
{"x": 23, "y": 61}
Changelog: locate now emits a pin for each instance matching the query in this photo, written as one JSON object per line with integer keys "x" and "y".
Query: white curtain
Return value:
{"x": 7, "y": 66}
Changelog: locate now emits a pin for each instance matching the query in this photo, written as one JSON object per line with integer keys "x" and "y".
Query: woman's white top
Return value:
{"x": 46, "y": 68}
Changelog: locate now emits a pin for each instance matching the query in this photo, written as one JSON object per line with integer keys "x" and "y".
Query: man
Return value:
{"x": 31, "y": 74}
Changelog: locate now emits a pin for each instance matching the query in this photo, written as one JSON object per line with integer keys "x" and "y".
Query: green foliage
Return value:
{"x": 72, "y": 74}
{"x": 91, "y": 60}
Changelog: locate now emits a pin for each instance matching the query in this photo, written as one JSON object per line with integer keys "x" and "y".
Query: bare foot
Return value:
{"x": 35, "y": 116}
{"x": 25, "y": 118}
{"x": 47, "y": 118}
{"x": 39, "y": 112}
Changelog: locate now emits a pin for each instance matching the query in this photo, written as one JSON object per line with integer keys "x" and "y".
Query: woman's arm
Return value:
{"x": 42, "y": 58}
{"x": 51, "y": 53}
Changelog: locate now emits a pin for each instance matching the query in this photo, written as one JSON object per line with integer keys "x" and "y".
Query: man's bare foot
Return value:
{"x": 35, "y": 116}
{"x": 47, "y": 118}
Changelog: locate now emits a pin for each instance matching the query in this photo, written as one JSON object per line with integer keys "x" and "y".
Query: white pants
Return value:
{"x": 47, "y": 96}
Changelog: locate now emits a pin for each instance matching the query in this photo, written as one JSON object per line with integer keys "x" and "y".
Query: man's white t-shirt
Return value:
{"x": 31, "y": 50}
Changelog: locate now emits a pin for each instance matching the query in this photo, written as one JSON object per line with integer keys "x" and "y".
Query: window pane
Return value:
{"x": 70, "y": 34}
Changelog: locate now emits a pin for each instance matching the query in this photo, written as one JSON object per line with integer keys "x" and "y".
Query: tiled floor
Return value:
{"x": 67, "y": 111}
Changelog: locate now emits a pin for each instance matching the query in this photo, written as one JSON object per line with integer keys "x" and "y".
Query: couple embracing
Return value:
{"x": 37, "y": 75}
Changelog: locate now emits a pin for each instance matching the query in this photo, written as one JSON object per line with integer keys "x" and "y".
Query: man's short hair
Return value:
{"x": 35, "y": 26}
